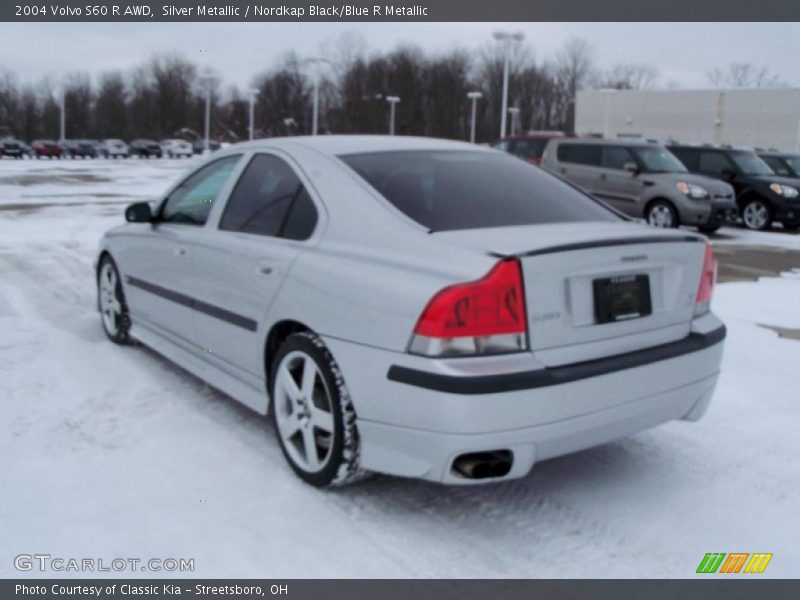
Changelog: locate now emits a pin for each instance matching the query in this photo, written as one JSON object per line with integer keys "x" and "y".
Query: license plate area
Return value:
{"x": 621, "y": 298}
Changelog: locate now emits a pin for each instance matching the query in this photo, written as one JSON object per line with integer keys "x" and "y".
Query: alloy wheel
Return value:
{"x": 303, "y": 412}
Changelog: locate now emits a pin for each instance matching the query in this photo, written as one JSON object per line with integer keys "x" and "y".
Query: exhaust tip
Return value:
{"x": 483, "y": 465}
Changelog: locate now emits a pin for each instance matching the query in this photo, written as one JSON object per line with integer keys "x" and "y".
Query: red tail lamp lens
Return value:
{"x": 492, "y": 305}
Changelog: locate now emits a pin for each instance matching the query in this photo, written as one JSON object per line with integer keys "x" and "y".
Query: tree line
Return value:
{"x": 165, "y": 96}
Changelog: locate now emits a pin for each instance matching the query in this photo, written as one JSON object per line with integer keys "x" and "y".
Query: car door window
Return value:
{"x": 776, "y": 165}
{"x": 529, "y": 149}
{"x": 581, "y": 154}
{"x": 191, "y": 202}
{"x": 269, "y": 199}
{"x": 714, "y": 163}
{"x": 616, "y": 157}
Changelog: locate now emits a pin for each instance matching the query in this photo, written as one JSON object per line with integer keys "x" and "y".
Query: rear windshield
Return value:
{"x": 448, "y": 190}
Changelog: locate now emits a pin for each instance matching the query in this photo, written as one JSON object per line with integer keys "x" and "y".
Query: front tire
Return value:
{"x": 114, "y": 313}
{"x": 757, "y": 215}
{"x": 662, "y": 214}
{"x": 313, "y": 413}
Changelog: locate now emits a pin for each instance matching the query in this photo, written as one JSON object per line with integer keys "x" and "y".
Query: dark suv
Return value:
{"x": 529, "y": 146}
{"x": 762, "y": 196}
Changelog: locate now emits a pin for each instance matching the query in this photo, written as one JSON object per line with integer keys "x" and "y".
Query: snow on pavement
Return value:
{"x": 114, "y": 452}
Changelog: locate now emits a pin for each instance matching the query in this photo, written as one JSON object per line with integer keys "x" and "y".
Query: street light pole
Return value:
{"x": 514, "y": 112}
{"x": 207, "y": 77}
{"x": 315, "y": 62}
{"x": 63, "y": 124}
{"x": 473, "y": 97}
{"x": 253, "y": 93}
{"x": 507, "y": 39}
{"x": 392, "y": 100}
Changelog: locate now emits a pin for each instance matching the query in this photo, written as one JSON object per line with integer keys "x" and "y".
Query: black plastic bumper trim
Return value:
{"x": 193, "y": 303}
{"x": 509, "y": 382}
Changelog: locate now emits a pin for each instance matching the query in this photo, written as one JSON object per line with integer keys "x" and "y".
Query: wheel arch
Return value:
{"x": 660, "y": 198}
{"x": 278, "y": 333}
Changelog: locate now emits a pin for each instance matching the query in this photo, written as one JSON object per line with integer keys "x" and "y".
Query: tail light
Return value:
{"x": 706, "y": 288}
{"x": 480, "y": 317}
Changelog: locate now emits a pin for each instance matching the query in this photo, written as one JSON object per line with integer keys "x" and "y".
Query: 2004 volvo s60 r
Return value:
{"x": 418, "y": 307}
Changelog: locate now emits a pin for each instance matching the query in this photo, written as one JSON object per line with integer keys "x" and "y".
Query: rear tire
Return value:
{"x": 662, "y": 214}
{"x": 114, "y": 314}
{"x": 708, "y": 229}
{"x": 313, "y": 413}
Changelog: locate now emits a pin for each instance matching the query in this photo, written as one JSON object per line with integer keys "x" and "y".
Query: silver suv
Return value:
{"x": 643, "y": 180}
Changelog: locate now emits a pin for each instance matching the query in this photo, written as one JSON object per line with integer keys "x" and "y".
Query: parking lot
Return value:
{"x": 112, "y": 450}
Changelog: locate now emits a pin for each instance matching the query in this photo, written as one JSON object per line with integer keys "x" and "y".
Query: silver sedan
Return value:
{"x": 417, "y": 307}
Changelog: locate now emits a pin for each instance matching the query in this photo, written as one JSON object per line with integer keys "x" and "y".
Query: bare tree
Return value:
{"x": 743, "y": 75}
{"x": 630, "y": 76}
{"x": 573, "y": 68}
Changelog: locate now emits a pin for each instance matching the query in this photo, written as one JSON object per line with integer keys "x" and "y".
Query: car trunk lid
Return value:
{"x": 566, "y": 267}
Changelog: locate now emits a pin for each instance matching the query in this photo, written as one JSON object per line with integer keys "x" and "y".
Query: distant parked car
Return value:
{"x": 199, "y": 145}
{"x": 12, "y": 148}
{"x": 176, "y": 148}
{"x": 47, "y": 148}
{"x": 67, "y": 148}
{"x": 529, "y": 146}
{"x": 643, "y": 180}
{"x": 85, "y": 149}
{"x": 114, "y": 148}
{"x": 786, "y": 164}
{"x": 27, "y": 151}
{"x": 145, "y": 148}
{"x": 762, "y": 196}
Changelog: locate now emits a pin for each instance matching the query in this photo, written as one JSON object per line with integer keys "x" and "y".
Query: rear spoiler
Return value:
{"x": 627, "y": 241}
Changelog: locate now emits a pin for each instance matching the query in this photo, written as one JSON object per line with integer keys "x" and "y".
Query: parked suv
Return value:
{"x": 785, "y": 164}
{"x": 642, "y": 180}
{"x": 762, "y": 196}
{"x": 529, "y": 146}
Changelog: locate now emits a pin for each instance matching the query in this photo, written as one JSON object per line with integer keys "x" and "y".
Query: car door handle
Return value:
{"x": 180, "y": 252}
{"x": 603, "y": 176}
{"x": 264, "y": 270}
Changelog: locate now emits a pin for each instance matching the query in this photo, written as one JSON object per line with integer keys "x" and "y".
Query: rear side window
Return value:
{"x": 269, "y": 199}
{"x": 616, "y": 157}
{"x": 580, "y": 154}
{"x": 448, "y": 190}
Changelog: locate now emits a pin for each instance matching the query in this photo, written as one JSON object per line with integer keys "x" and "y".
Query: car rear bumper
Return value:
{"x": 419, "y": 431}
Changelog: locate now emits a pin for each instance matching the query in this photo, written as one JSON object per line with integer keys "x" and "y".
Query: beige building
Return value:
{"x": 766, "y": 118}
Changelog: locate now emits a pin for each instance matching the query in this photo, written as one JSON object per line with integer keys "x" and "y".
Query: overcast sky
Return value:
{"x": 683, "y": 53}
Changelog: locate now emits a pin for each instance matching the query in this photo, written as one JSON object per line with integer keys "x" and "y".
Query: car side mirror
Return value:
{"x": 631, "y": 167}
{"x": 139, "y": 212}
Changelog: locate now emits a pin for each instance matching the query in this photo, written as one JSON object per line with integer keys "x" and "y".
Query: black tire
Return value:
{"x": 662, "y": 214}
{"x": 757, "y": 215}
{"x": 119, "y": 332}
{"x": 708, "y": 229}
{"x": 342, "y": 462}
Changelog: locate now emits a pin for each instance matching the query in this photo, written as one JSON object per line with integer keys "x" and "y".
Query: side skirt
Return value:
{"x": 252, "y": 394}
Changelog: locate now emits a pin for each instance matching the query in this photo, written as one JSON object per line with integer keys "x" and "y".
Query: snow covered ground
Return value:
{"x": 112, "y": 452}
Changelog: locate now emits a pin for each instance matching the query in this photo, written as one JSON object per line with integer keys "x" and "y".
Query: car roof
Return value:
{"x": 335, "y": 145}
